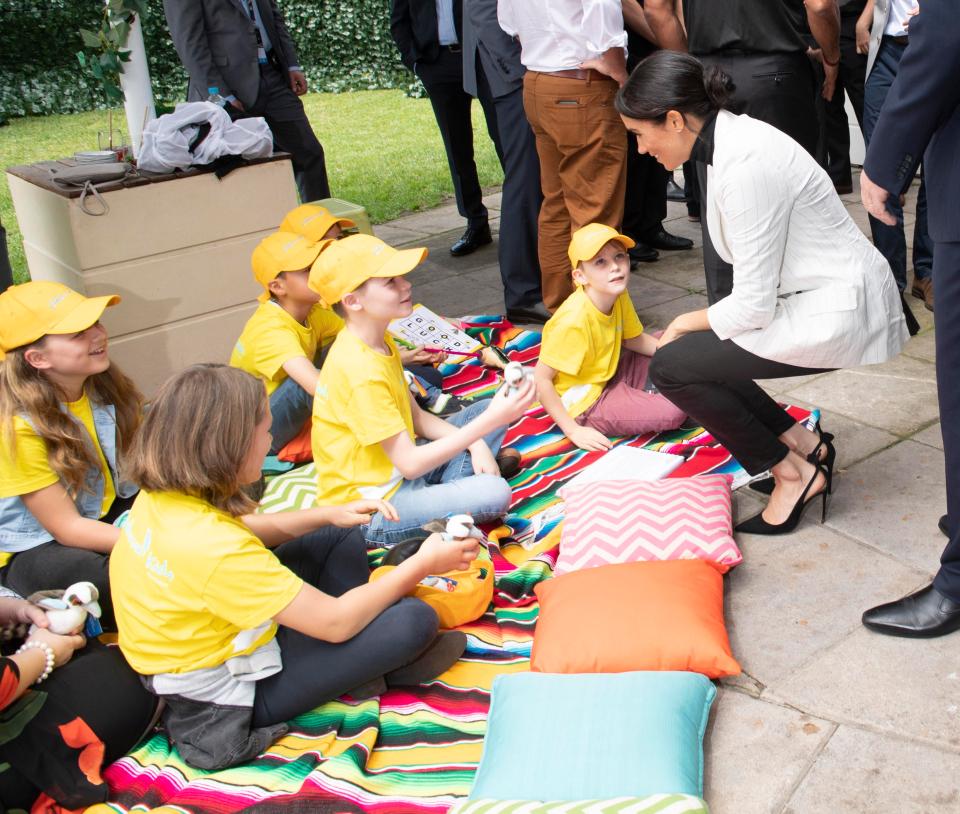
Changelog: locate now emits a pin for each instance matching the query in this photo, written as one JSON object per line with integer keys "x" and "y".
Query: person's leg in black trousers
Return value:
{"x": 443, "y": 80}
{"x": 852, "y": 73}
{"x": 6, "y": 272}
{"x": 292, "y": 132}
{"x": 520, "y": 199}
{"x": 780, "y": 90}
{"x": 712, "y": 380}
{"x": 335, "y": 561}
{"x": 645, "y": 201}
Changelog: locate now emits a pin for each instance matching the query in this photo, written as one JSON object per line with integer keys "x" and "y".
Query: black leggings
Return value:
{"x": 712, "y": 381}
{"x": 314, "y": 672}
{"x": 52, "y": 565}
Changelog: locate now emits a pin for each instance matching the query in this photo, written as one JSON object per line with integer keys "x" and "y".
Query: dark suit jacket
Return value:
{"x": 922, "y": 113}
{"x": 217, "y": 44}
{"x": 498, "y": 53}
{"x": 415, "y": 29}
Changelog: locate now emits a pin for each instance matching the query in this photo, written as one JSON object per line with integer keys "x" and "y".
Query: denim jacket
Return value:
{"x": 20, "y": 530}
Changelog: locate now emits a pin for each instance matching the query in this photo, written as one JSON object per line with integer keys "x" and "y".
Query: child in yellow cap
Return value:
{"x": 317, "y": 223}
{"x": 366, "y": 425}
{"x": 283, "y": 340}
{"x": 67, "y": 417}
{"x": 594, "y": 354}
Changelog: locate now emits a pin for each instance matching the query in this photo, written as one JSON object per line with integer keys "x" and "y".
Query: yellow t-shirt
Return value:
{"x": 361, "y": 400}
{"x": 583, "y": 345}
{"x": 272, "y": 337}
{"x": 192, "y": 586}
{"x": 26, "y": 469}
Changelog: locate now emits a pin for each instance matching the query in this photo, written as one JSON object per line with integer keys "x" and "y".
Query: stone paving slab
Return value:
{"x": 757, "y": 752}
{"x": 930, "y": 436}
{"x": 864, "y": 773}
{"x": 892, "y": 502}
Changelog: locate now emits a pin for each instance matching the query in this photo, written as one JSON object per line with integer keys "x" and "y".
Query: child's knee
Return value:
{"x": 491, "y": 495}
{"x": 417, "y": 623}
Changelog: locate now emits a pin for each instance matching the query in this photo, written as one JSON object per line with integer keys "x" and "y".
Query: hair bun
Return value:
{"x": 718, "y": 85}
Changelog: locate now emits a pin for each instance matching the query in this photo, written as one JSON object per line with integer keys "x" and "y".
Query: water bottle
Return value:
{"x": 214, "y": 97}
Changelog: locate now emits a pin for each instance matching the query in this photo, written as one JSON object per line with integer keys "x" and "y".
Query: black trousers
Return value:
{"x": 712, "y": 380}
{"x": 521, "y": 195}
{"x": 292, "y": 132}
{"x": 946, "y": 304}
{"x": 778, "y": 89}
{"x": 645, "y": 201}
{"x": 6, "y": 273}
{"x": 53, "y": 565}
{"x": 443, "y": 80}
{"x": 335, "y": 560}
{"x": 852, "y": 75}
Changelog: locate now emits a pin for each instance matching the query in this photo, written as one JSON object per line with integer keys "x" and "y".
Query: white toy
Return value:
{"x": 514, "y": 374}
{"x": 69, "y": 614}
{"x": 460, "y": 526}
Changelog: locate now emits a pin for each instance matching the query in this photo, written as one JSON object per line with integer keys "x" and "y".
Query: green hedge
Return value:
{"x": 343, "y": 44}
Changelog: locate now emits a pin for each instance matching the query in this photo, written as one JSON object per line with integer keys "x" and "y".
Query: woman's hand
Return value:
{"x": 484, "y": 463}
{"x": 440, "y": 555}
{"x": 589, "y": 439}
{"x": 360, "y": 513}
{"x": 63, "y": 646}
{"x": 674, "y": 330}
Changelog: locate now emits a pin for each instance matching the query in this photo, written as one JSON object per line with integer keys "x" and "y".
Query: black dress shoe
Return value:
{"x": 664, "y": 241}
{"x": 922, "y": 615}
{"x": 473, "y": 239}
{"x": 536, "y": 314}
{"x": 942, "y": 525}
{"x": 642, "y": 253}
{"x": 675, "y": 192}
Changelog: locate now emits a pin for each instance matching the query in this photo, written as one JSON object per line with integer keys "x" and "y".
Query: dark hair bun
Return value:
{"x": 718, "y": 85}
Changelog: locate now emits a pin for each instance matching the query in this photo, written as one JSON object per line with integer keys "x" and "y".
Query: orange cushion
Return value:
{"x": 298, "y": 450}
{"x": 634, "y": 616}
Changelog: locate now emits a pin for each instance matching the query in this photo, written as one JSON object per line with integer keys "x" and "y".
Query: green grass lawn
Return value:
{"x": 383, "y": 151}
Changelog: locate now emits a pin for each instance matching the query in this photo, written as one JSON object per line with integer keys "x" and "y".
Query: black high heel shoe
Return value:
{"x": 757, "y": 525}
{"x": 765, "y": 485}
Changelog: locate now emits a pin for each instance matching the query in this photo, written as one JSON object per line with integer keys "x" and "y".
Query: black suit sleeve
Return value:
{"x": 401, "y": 29}
{"x": 286, "y": 41}
{"x": 922, "y": 97}
{"x": 189, "y": 35}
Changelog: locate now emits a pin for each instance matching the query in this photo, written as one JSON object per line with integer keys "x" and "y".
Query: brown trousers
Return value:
{"x": 582, "y": 146}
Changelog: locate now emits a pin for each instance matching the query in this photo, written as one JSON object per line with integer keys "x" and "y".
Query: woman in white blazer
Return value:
{"x": 810, "y": 292}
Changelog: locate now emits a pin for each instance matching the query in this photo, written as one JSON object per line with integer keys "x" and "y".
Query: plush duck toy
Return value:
{"x": 69, "y": 614}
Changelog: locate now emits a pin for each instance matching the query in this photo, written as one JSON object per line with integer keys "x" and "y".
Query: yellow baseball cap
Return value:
{"x": 281, "y": 251}
{"x": 312, "y": 221}
{"x": 35, "y": 309}
{"x": 588, "y": 240}
{"x": 345, "y": 265}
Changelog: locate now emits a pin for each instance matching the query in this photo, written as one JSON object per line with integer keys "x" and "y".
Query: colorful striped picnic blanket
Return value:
{"x": 411, "y": 750}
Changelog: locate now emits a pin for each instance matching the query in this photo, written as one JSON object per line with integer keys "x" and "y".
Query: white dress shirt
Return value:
{"x": 899, "y": 11}
{"x": 809, "y": 289}
{"x": 557, "y": 35}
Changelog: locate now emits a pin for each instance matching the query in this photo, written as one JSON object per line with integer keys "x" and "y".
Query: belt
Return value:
{"x": 588, "y": 74}
{"x": 902, "y": 40}
{"x": 454, "y": 48}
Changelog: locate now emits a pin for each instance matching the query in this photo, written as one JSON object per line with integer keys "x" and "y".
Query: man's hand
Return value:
{"x": 830, "y": 73}
{"x": 910, "y": 15}
{"x": 874, "y": 199}
{"x": 360, "y": 513}
{"x": 863, "y": 36}
{"x": 589, "y": 439}
{"x": 611, "y": 62}
{"x": 298, "y": 82}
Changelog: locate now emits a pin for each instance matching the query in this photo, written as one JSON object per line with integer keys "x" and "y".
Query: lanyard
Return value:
{"x": 261, "y": 51}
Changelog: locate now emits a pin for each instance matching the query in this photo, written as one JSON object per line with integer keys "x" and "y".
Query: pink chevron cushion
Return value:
{"x": 637, "y": 521}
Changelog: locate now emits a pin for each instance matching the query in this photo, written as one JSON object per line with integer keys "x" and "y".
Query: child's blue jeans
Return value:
{"x": 447, "y": 490}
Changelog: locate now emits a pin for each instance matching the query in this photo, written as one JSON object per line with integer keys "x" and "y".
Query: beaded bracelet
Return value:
{"x": 48, "y": 650}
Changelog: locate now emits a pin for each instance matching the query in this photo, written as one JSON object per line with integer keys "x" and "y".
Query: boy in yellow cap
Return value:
{"x": 594, "y": 354}
{"x": 283, "y": 340}
{"x": 315, "y": 223}
{"x": 366, "y": 425}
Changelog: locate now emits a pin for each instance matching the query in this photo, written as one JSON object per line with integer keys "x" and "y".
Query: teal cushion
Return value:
{"x": 653, "y": 804}
{"x": 594, "y": 737}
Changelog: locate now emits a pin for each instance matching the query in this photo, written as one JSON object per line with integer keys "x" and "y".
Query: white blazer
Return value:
{"x": 808, "y": 288}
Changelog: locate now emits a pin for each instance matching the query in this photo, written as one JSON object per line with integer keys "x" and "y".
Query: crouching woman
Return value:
{"x": 243, "y": 621}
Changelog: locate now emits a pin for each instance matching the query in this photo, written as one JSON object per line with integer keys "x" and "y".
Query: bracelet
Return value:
{"x": 48, "y": 650}
{"x": 828, "y": 62}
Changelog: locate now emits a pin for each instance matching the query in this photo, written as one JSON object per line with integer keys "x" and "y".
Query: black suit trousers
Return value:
{"x": 521, "y": 195}
{"x": 443, "y": 80}
{"x": 645, "y": 201}
{"x": 780, "y": 90}
{"x": 292, "y": 132}
{"x": 946, "y": 304}
{"x": 852, "y": 75}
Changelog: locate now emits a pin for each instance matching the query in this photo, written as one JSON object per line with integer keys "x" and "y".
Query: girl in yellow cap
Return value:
{"x": 66, "y": 418}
